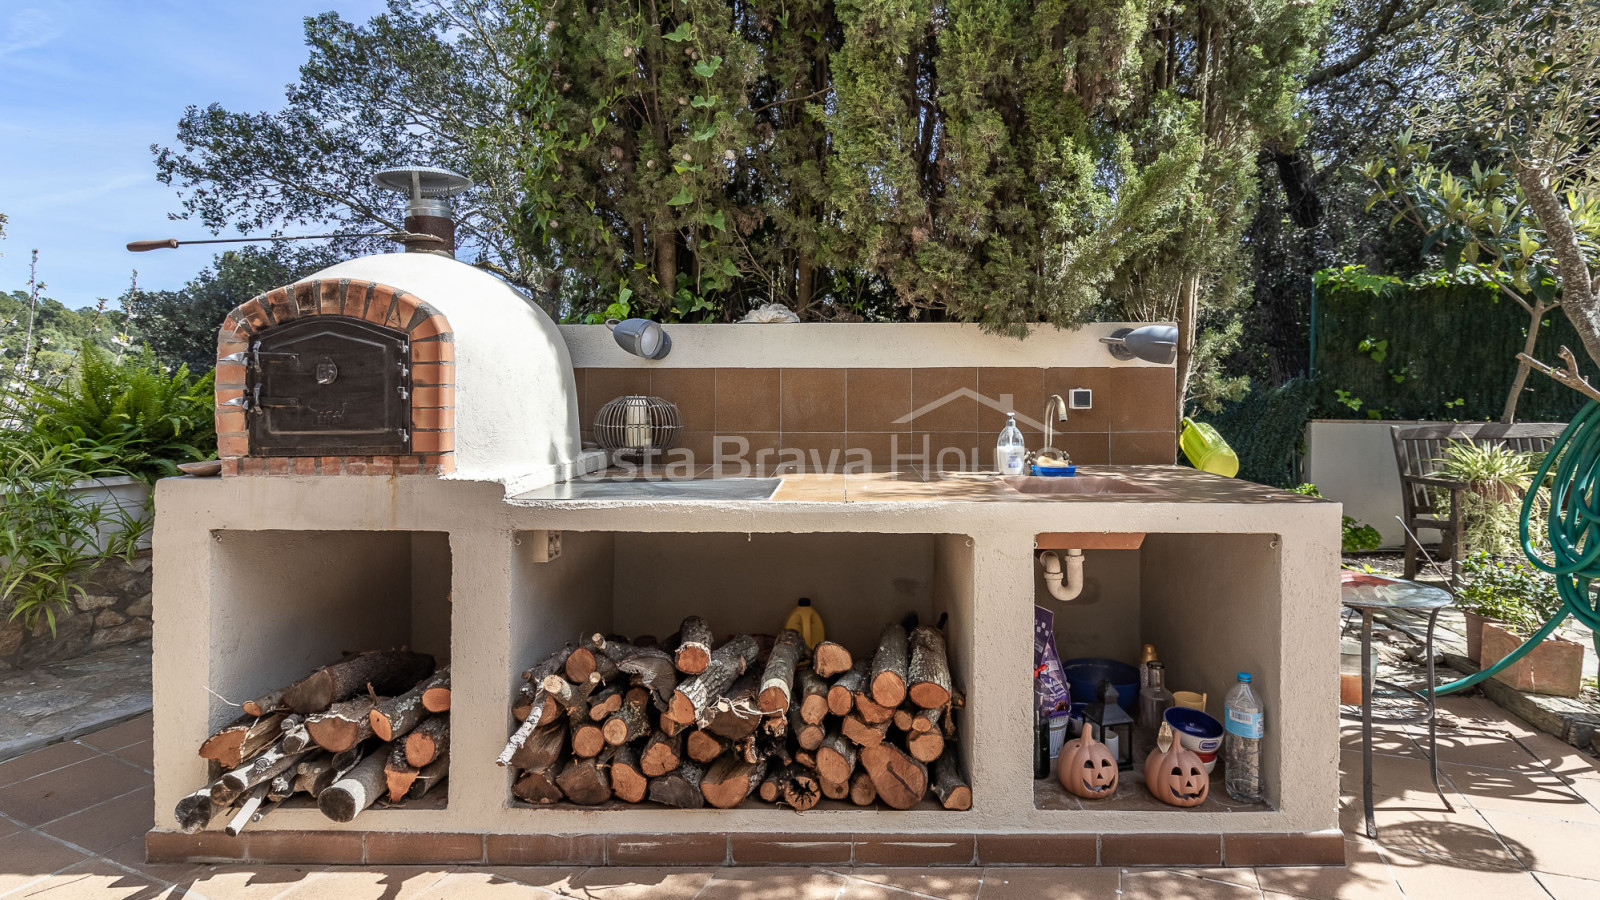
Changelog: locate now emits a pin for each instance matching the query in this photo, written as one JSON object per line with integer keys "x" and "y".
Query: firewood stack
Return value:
{"x": 689, "y": 723}
{"x": 373, "y": 726}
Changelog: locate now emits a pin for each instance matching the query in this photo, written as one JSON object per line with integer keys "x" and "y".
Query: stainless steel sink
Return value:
{"x": 657, "y": 489}
{"x": 1076, "y": 485}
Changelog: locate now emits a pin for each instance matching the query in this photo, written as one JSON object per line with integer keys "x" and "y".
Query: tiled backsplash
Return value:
{"x": 890, "y": 417}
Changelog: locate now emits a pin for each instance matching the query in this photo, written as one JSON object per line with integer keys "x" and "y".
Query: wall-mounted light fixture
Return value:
{"x": 1151, "y": 343}
{"x": 641, "y": 337}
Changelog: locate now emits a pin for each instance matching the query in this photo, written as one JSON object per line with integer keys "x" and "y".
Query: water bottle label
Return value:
{"x": 1244, "y": 724}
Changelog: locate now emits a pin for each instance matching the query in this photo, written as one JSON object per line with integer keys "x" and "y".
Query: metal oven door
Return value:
{"x": 329, "y": 386}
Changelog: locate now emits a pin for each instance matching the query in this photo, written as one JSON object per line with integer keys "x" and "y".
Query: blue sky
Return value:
{"x": 86, "y": 87}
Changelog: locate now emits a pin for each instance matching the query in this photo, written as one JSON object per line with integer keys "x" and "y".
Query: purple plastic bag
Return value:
{"x": 1050, "y": 690}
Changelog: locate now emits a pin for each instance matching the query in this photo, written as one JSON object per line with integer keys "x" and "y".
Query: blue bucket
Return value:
{"x": 1084, "y": 677}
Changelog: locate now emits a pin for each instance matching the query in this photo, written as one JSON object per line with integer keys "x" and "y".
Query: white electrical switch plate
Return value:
{"x": 1080, "y": 398}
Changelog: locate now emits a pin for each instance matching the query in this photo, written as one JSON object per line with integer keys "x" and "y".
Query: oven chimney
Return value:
{"x": 428, "y": 191}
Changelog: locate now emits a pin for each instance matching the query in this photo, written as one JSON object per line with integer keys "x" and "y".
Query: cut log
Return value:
{"x": 901, "y": 781}
{"x": 830, "y": 659}
{"x": 358, "y": 789}
{"x": 694, "y": 698}
{"x": 196, "y": 811}
{"x": 252, "y": 802}
{"x": 537, "y": 787}
{"x": 777, "y": 681}
{"x": 834, "y": 790}
{"x": 805, "y": 758}
{"x": 431, "y": 776}
{"x": 297, "y": 738}
{"x": 428, "y": 740}
{"x": 242, "y": 739}
{"x": 948, "y": 785}
{"x": 398, "y": 775}
{"x": 652, "y": 668}
{"x": 661, "y": 755}
{"x": 522, "y": 704}
{"x": 863, "y": 734}
{"x": 842, "y": 693}
{"x": 628, "y": 781}
{"x": 540, "y": 708}
{"x": 543, "y": 749}
{"x": 928, "y": 670}
{"x": 266, "y": 704}
{"x": 588, "y": 739}
{"x": 550, "y": 665}
{"x": 703, "y": 746}
{"x": 567, "y": 695}
{"x": 629, "y": 723}
{"x": 902, "y": 719}
{"x": 669, "y": 727}
{"x": 813, "y": 692}
{"x": 807, "y": 735}
{"x": 886, "y": 680}
{"x": 436, "y": 699}
{"x": 927, "y": 719}
{"x": 315, "y": 773}
{"x": 267, "y": 764}
{"x": 388, "y": 672}
{"x": 799, "y": 787}
{"x": 693, "y": 653}
{"x": 585, "y": 782}
{"x": 862, "y": 790}
{"x": 836, "y": 758}
{"x": 679, "y": 788}
{"x": 737, "y": 714}
{"x": 768, "y": 791}
{"x": 606, "y": 700}
{"x": 730, "y": 780}
{"x": 925, "y": 746}
{"x": 281, "y": 786}
{"x": 344, "y": 725}
{"x": 394, "y": 718}
{"x": 871, "y": 711}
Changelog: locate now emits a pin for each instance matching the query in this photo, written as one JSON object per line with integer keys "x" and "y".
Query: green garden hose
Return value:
{"x": 1573, "y": 535}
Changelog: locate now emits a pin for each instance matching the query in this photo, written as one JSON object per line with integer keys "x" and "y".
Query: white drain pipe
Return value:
{"x": 1053, "y": 576}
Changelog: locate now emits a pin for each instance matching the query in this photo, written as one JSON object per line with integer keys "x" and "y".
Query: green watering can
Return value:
{"x": 1206, "y": 449}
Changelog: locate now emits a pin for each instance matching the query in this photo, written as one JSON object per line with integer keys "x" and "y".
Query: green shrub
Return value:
{"x": 1497, "y": 478}
{"x": 1509, "y": 590}
{"x": 1355, "y": 537}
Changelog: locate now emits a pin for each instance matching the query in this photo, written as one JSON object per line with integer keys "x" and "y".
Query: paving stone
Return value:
{"x": 767, "y": 883}
{"x": 475, "y": 883}
{"x": 1067, "y": 883}
{"x": 94, "y": 880}
{"x": 1439, "y": 881}
{"x": 114, "y": 822}
{"x": 247, "y": 882}
{"x": 55, "y": 756}
{"x": 1567, "y": 849}
{"x": 29, "y": 857}
{"x": 118, "y": 736}
{"x": 63, "y": 792}
{"x": 641, "y": 883}
{"x": 1565, "y": 887}
{"x": 870, "y": 883}
{"x": 1539, "y": 794}
{"x": 1365, "y": 876}
{"x": 1148, "y": 885}
{"x": 62, "y": 700}
{"x": 389, "y": 883}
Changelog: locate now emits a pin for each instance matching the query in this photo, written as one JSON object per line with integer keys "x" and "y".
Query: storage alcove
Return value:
{"x": 645, "y": 583}
{"x": 1210, "y": 604}
{"x": 284, "y": 603}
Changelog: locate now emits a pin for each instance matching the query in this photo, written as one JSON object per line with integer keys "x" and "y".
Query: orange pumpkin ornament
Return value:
{"x": 1087, "y": 768}
{"x": 1174, "y": 774}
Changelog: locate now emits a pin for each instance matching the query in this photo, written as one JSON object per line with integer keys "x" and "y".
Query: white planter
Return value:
{"x": 120, "y": 498}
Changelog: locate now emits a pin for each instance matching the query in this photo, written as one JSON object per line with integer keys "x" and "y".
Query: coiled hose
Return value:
{"x": 1573, "y": 534}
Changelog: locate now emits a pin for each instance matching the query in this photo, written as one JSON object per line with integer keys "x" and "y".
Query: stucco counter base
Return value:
{"x": 261, "y": 579}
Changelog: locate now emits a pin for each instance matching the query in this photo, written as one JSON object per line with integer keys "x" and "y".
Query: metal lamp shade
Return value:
{"x": 1151, "y": 343}
{"x": 636, "y": 425}
{"x": 642, "y": 338}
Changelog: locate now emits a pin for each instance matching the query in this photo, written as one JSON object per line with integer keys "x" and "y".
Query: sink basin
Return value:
{"x": 1076, "y": 485}
{"x": 657, "y": 489}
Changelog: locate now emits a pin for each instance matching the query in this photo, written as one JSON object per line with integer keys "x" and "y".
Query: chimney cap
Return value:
{"x": 422, "y": 182}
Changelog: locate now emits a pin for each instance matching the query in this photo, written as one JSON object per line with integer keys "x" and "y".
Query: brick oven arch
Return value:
{"x": 431, "y": 344}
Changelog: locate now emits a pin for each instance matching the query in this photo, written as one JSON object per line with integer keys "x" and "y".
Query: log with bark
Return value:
{"x": 842, "y": 693}
{"x": 948, "y": 785}
{"x": 777, "y": 681}
{"x": 247, "y": 808}
{"x": 586, "y": 782}
{"x": 398, "y": 774}
{"x": 343, "y": 725}
{"x": 316, "y": 772}
{"x": 537, "y": 786}
{"x": 886, "y": 680}
{"x": 730, "y": 780}
{"x": 357, "y": 790}
{"x": 297, "y": 737}
{"x": 871, "y": 712}
{"x": 836, "y": 758}
{"x": 591, "y": 657}
{"x": 798, "y": 787}
{"x": 543, "y": 748}
{"x": 428, "y": 740}
{"x": 737, "y": 714}
{"x": 661, "y": 754}
{"x": 387, "y": 672}
{"x": 813, "y": 693}
{"x": 432, "y": 775}
{"x": 862, "y": 790}
{"x": 830, "y": 659}
{"x": 693, "y": 701}
{"x": 651, "y": 668}
{"x": 242, "y": 739}
{"x": 703, "y": 746}
{"x": 834, "y": 790}
{"x": 630, "y": 722}
{"x": 606, "y": 700}
{"x": 862, "y": 733}
{"x": 679, "y": 788}
{"x": 539, "y": 708}
{"x": 925, "y": 746}
{"x": 588, "y": 739}
{"x": 196, "y": 811}
{"x": 267, "y": 764}
{"x": 693, "y": 653}
{"x": 928, "y": 670}
{"x": 570, "y": 696}
{"x": 901, "y": 781}
{"x": 395, "y": 717}
{"x": 628, "y": 781}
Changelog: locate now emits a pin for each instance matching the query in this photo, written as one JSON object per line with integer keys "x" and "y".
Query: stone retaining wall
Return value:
{"x": 115, "y": 609}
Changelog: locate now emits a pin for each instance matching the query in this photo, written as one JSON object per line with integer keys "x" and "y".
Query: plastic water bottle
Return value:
{"x": 1009, "y": 451}
{"x": 1245, "y": 722}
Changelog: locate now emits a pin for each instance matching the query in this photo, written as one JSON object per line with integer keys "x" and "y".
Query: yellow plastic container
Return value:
{"x": 1206, "y": 450}
{"x": 805, "y": 620}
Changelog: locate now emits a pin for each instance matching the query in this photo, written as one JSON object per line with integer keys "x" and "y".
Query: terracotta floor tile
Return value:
{"x": 1463, "y": 836}
{"x": 872, "y": 883}
{"x": 639, "y": 883}
{"x": 556, "y": 879}
{"x": 55, "y": 756}
{"x": 114, "y": 822}
{"x": 1478, "y": 713}
{"x": 141, "y": 754}
{"x": 1565, "y": 849}
{"x": 772, "y": 883}
{"x": 131, "y": 855}
{"x": 467, "y": 885}
{"x": 1538, "y": 794}
{"x": 247, "y": 882}
{"x": 26, "y": 857}
{"x": 116, "y": 737}
{"x": 358, "y": 883}
{"x": 1069, "y": 883}
{"x": 63, "y": 792}
{"x": 1398, "y": 782}
{"x": 94, "y": 880}
{"x": 1388, "y": 741}
{"x": 1561, "y": 757}
{"x": 1243, "y": 876}
{"x": 1156, "y": 885}
{"x": 1365, "y": 876}
{"x": 1565, "y": 887}
{"x": 1437, "y": 881}
{"x": 1487, "y": 751}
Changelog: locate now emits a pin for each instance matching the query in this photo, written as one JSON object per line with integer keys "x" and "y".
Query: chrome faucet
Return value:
{"x": 1054, "y": 408}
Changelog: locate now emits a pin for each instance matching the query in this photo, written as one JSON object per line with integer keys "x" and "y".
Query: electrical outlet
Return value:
{"x": 1080, "y": 398}
{"x": 544, "y": 546}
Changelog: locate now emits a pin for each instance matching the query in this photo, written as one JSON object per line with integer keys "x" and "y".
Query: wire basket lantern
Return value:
{"x": 636, "y": 425}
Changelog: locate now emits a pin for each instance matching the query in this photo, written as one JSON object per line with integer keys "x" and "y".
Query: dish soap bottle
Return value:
{"x": 805, "y": 620}
{"x": 1010, "y": 453}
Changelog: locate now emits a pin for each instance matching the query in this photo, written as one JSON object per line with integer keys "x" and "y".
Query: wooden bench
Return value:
{"x": 1419, "y": 451}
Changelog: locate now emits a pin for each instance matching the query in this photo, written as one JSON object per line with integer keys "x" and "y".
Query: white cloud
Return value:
{"x": 27, "y": 29}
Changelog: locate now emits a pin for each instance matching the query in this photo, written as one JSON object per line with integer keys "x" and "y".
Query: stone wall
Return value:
{"x": 114, "y": 609}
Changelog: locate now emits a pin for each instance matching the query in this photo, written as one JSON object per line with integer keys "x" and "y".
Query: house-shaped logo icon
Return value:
{"x": 1002, "y": 404}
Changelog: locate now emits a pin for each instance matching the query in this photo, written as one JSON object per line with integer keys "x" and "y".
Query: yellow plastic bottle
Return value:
{"x": 805, "y": 620}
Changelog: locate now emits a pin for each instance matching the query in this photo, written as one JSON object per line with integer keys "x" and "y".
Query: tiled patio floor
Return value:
{"x": 1526, "y": 824}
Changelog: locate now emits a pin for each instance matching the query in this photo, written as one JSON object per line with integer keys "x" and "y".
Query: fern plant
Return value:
{"x": 150, "y": 419}
{"x": 1497, "y": 478}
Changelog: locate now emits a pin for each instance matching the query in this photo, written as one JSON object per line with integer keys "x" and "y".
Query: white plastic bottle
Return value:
{"x": 1245, "y": 720}
{"x": 1010, "y": 453}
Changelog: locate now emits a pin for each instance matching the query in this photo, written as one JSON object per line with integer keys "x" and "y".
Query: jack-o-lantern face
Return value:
{"x": 1087, "y": 768}
{"x": 1177, "y": 777}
